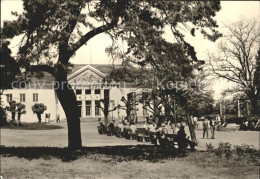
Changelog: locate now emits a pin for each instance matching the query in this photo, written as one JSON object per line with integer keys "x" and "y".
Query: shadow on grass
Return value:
{"x": 117, "y": 153}
{"x": 32, "y": 126}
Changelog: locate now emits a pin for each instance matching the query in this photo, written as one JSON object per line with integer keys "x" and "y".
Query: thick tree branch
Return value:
{"x": 91, "y": 34}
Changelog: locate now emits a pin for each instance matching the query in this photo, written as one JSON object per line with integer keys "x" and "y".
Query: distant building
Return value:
{"x": 89, "y": 84}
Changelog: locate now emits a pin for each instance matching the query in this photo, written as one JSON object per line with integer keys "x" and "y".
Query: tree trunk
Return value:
{"x": 69, "y": 104}
{"x": 13, "y": 116}
{"x": 106, "y": 111}
{"x": 156, "y": 112}
{"x": 255, "y": 106}
{"x": 254, "y": 99}
{"x": 128, "y": 114}
{"x": 191, "y": 128}
{"x": 19, "y": 117}
{"x": 106, "y": 119}
{"x": 39, "y": 117}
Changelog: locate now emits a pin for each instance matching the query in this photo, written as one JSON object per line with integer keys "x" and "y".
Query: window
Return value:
{"x": 35, "y": 97}
{"x": 87, "y": 91}
{"x": 80, "y": 106}
{"x": 88, "y": 108}
{"x": 97, "y": 91}
{"x": 78, "y": 92}
{"x": 22, "y": 97}
{"x": 9, "y": 97}
{"x": 97, "y": 109}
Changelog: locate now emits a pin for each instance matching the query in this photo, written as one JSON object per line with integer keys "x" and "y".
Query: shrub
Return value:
{"x": 209, "y": 147}
{"x": 224, "y": 149}
{"x": 242, "y": 152}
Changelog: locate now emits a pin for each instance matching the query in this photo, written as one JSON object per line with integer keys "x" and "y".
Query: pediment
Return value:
{"x": 86, "y": 74}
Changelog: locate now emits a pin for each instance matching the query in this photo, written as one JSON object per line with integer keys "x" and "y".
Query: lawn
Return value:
{"x": 43, "y": 154}
{"x": 120, "y": 162}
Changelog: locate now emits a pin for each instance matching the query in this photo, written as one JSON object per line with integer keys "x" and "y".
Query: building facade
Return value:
{"x": 89, "y": 85}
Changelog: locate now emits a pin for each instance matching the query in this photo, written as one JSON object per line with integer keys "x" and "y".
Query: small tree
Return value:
{"x": 20, "y": 111}
{"x": 105, "y": 109}
{"x": 130, "y": 103}
{"x": 38, "y": 109}
{"x": 12, "y": 109}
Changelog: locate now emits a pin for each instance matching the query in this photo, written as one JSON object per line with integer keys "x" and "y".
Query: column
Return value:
{"x": 93, "y": 102}
{"x": 101, "y": 97}
{"x": 83, "y": 109}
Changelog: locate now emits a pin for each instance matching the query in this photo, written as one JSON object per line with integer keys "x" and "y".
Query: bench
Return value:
{"x": 172, "y": 140}
{"x": 153, "y": 137}
{"x": 142, "y": 135}
{"x": 126, "y": 133}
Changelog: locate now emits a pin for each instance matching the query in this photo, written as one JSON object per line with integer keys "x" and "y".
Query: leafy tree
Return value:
{"x": 20, "y": 111}
{"x": 237, "y": 59}
{"x": 38, "y": 109}
{"x": 54, "y": 29}
{"x": 8, "y": 70}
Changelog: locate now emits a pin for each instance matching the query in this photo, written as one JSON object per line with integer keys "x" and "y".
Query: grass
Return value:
{"x": 32, "y": 126}
{"x": 120, "y": 162}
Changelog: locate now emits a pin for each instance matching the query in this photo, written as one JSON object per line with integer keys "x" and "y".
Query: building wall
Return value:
{"x": 45, "y": 96}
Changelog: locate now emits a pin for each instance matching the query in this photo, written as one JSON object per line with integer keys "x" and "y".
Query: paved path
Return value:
{"x": 90, "y": 137}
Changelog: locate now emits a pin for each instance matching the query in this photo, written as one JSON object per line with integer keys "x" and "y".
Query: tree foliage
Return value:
{"x": 39, "y": 108}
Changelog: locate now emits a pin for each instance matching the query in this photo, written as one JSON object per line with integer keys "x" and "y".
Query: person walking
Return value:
{"x": 212, "y": 124}
{"x": 205, "y": 127}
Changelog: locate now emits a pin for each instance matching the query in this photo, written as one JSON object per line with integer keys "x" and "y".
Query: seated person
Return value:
{"x": 152, "y": 127}
{"x": 176, "y": 129}
{"x": 111, "y": 127}
{"x": 146, "y": 126}
{"x": 121, "y": 126}
{"x": 162, "y": 131}
{"x": 132, "y": 127}
{"x": 182, "y": 141}
{"x": 169, "y": 128}
{"x": 103, "y": 127}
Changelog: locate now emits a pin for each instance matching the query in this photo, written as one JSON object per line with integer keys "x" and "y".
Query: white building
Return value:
{"x": 88, "y": 83}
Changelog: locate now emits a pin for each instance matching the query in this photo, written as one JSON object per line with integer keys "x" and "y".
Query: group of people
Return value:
{"x": 250, "y": 125}
{"x": 159, "y": 131}
{"x": 209, "y": 124}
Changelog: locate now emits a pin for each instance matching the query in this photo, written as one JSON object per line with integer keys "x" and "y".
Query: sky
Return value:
{"x": 94, "y": 52}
